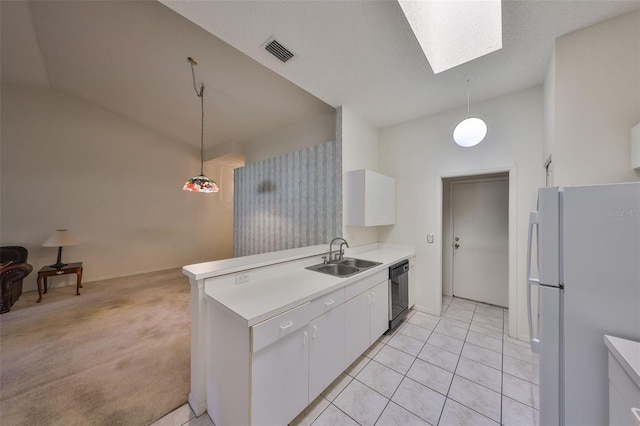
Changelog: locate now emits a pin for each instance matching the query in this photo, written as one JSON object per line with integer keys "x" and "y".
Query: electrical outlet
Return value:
{"x": 242, "y": 278}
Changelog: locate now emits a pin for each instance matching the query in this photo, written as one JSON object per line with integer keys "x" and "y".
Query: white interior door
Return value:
{"x": 480, "y": 221}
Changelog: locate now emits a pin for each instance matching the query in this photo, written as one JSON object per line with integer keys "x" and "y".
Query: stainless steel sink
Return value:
{"x": 358, "y": 263}
{"x": 335, "y": 269}
{"x": 343, "y": 268}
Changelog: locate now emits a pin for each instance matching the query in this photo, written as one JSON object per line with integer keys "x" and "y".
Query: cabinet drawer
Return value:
{"x": 365, "y": 284}
{"x": 327, "y": 302}
{"x": 268, "y": 331}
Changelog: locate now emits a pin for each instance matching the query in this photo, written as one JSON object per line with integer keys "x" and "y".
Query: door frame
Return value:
{"x": 449, "y": 266}
{"x": 512, "y": 239}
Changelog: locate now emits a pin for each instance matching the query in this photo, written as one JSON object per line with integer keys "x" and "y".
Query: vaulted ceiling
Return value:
{"x": 130, "y": 57}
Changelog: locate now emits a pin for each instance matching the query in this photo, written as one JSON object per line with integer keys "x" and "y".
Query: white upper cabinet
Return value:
{"x": 370, "y": 199}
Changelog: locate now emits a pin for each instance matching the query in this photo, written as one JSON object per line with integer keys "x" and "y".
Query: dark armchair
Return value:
{"x": 11, "y": 275}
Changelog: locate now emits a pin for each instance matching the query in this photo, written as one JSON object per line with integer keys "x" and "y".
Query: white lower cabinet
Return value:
{"x": 279, "y": 380}
{"x": 356, "y": 327}
{"x": 366, "y": 319}
{"x": 379, "y": 310}
{"x": 326, "y": 350}
{"x": 280, "y": 370}
{"x": 267, "y": 374}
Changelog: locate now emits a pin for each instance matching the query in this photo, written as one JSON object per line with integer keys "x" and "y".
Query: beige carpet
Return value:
{"x": 118, "y": 354}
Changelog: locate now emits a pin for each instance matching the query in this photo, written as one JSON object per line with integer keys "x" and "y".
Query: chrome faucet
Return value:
{"x": 339, "y": 255}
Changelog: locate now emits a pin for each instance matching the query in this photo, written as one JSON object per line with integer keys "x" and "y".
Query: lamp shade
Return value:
{"x": 60, "y": 238}
{"x": 470, "y": 132}
{"x": 201, "y": 183}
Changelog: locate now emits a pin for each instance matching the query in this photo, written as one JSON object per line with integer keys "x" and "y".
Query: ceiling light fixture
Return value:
{"x": 470, "y": 131}
{"x": 200, "y": 183}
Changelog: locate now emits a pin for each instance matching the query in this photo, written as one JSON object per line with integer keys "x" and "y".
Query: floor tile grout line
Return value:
{"x": 415, "y": 357}
{"x": 382, "y": 344}
{"x": 446, "y": 396}
{"x": 322, "y": 411}
{"x": 480, "y": 384}
{"x": 454, "y": 375}
{"x": 522, "y": 360}
{"x": 364, "y": 384}
{"x": 346, "y": 414}
{"x": 472, "y": 381}
{"x": 389, "y": 400}
{"x": 404, "y": 376}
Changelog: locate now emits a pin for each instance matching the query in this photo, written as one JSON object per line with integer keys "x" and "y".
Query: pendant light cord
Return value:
{"x": 201, "y": 96}
{"x": 468, "y": 108}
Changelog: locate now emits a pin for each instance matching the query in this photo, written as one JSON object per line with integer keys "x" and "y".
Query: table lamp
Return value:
{"x": 60, "y": 238}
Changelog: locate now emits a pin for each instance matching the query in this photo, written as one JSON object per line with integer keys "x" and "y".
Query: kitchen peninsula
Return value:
{"x": 268, "y": 335}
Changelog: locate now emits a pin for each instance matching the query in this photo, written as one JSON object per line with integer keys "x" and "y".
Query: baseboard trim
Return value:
{"x": 199, "y": 408}
{"x": 424, "y": 309}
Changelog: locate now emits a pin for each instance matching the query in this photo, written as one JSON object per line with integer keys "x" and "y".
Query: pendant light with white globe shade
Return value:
{"x": 470, "y": 131}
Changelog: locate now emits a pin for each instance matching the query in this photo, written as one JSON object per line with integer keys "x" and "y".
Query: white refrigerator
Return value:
{"x": 588, "y": 280}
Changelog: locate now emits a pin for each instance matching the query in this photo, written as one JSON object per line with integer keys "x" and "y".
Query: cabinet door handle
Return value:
{"x": 373, "y": 296}
{"x": 285, "y": 326}
{"x": 305, "y": 337}
{"x": 329, "y": 302}
{"x": 368, "y": 299}
{"x": 314, "y": 331}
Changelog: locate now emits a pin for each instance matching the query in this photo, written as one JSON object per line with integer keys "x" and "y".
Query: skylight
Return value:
{"x": 452, "y": 32}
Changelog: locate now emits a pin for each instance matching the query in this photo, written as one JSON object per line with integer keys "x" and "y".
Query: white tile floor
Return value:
{"x": 459, "y": 369}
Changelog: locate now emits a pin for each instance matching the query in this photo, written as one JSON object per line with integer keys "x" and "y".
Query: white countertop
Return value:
{"x": 627, "y": 352}
{"x": 270, "y": 294}
{"x": 199, "y": 271}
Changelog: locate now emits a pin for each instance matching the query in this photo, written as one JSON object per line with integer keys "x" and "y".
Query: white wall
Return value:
{"x": 115, "y": 184}
{"x": 359, "y": 151}
{"x": 318, "y": 129}
{"x": 597, "y": 102}
{"x": 549, "y": 107}
{"x": 420, "y": 151}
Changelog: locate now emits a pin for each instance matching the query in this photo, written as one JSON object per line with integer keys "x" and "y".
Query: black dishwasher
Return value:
{"x": 398, "y": 293}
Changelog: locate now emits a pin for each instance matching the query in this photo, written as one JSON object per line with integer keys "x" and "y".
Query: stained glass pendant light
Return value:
{"x": 200, "y": 183}
{"x": 470, "y": 131}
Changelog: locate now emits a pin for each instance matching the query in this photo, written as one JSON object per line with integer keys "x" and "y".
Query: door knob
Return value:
{"x": 456, "y": 245}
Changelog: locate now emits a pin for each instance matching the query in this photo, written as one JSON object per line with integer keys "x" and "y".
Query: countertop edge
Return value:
{"x": 215, "y": 268}
{"x": 333, "y": 283}
{"x": 622, "y": 350}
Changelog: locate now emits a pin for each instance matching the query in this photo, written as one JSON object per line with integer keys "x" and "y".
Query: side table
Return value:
{"x": 48, "y": 271}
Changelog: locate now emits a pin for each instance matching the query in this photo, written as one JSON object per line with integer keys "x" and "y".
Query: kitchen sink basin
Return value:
{"x": 358, "y": 263}
{"x": 335, "y": 269}
{"x": 343, "y": 268}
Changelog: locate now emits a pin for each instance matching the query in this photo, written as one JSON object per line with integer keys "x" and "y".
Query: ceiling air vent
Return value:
{"x": 278, "y": 50}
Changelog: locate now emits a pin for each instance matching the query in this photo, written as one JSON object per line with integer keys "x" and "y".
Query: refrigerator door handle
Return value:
{"x": 533, "y": 220}
{"x": 535, "y": 341}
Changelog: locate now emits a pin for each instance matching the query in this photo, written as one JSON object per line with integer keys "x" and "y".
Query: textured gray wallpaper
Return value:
{"x": 294, "y": 200}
